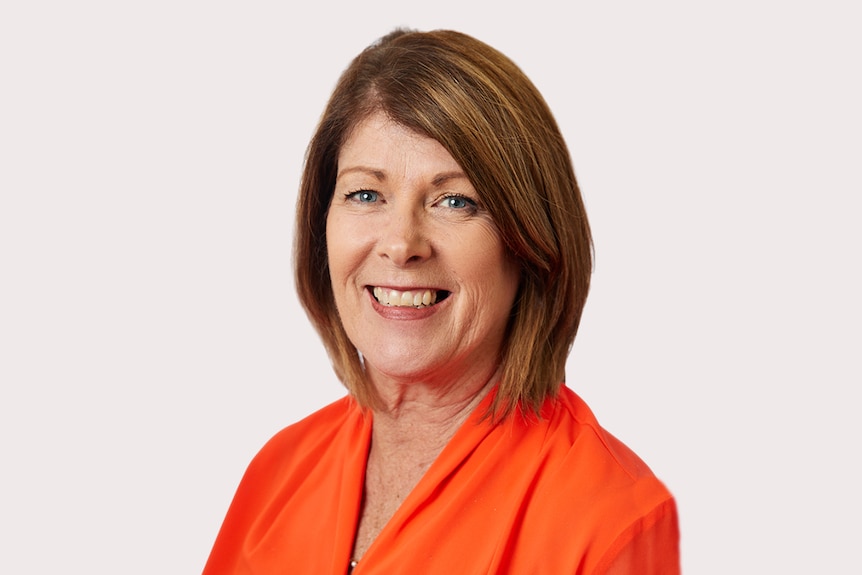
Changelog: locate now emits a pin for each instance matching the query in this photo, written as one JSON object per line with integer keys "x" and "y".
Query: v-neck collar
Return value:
{"x": 468, "y": 436}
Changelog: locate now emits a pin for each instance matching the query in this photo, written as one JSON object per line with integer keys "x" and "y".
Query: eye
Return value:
{"x": 457, "y": 202}
{"x": 363, "y": 196}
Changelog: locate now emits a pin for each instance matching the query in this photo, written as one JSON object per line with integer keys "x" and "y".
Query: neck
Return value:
{"x": 421, "y": 420}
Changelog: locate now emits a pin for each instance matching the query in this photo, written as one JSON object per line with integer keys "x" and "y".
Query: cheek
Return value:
{"x": 487, "y": 263}
{"x": 334, "y": 247}
{"x": 490, "y": 255}
{"x": 499, "y": 281}
{"x": 343, "y": 246}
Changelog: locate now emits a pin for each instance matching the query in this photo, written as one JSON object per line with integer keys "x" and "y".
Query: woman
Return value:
{"x": 444, "y": 256}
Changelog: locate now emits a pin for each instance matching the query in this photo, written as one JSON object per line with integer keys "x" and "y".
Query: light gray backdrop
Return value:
{"x": 150, "y": 341}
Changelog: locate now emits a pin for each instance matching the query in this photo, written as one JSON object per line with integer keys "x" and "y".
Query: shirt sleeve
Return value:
{"x": 650, "y": 546}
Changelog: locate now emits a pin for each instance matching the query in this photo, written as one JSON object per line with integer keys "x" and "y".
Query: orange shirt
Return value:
{"x": 557, "y": 495}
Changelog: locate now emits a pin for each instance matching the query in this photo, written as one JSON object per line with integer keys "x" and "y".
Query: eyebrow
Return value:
{"x": 380, "y": 175}
{"x": 441, "y": 179}
{"x": 377, "y": 174}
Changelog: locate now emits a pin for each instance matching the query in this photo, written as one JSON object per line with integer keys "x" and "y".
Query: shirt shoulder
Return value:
{"x": 575, "y": 424}
{"x": 618, "y": 499}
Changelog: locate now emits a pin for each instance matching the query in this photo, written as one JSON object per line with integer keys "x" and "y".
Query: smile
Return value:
{"x": 410, "y": 298}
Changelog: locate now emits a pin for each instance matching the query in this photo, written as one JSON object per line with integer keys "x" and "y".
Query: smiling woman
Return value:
{"x": 406, "y": 227}
{"x": 444, "y": 256}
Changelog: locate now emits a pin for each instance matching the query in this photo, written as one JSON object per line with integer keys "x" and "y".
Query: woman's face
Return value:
{"x": 421, "y": 279}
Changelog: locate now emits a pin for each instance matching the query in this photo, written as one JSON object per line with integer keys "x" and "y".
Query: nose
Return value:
{"x": 403, "y": 239}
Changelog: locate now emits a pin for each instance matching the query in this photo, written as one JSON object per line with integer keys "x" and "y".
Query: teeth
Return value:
{"x": 408, "y": 298}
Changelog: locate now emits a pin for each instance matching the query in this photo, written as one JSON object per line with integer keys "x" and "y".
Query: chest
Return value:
{"x": 384, "y": 491}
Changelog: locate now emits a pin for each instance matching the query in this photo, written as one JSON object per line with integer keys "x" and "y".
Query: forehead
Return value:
{"x": 380, "y": 143}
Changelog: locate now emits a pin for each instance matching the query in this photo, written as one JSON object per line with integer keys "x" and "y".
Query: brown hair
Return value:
{"x": 494, "y": 122}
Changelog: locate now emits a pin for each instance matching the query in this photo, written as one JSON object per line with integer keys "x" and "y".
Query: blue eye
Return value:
{"x": 458, "y": 202}
{"x": 364, "y": 196}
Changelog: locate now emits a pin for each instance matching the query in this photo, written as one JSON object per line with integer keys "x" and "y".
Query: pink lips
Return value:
{"x": 403, "y": 304}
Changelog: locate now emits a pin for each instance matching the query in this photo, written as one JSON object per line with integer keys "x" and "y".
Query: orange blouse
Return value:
{"x": 555, "y": 495}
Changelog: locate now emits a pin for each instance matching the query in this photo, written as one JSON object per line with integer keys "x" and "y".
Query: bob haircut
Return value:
{"x": 494, "y": 122}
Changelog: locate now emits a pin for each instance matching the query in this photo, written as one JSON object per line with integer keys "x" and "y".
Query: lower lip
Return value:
{"x": 405, "y": 313}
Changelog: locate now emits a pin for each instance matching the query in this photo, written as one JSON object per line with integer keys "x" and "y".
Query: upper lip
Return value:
{"x": 406, "y": 287}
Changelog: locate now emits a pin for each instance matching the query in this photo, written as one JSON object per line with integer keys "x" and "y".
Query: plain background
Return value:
{"x": 150, "y": 341}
